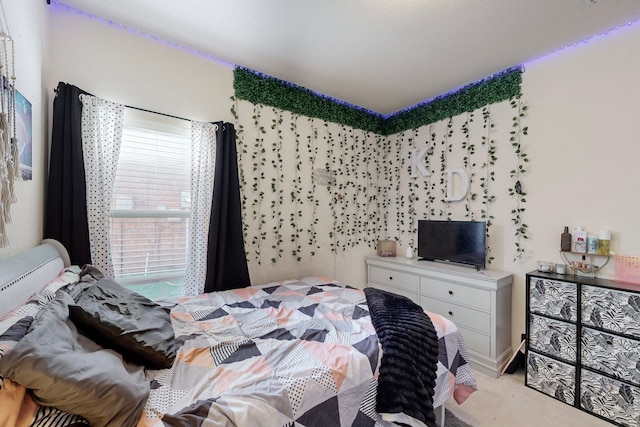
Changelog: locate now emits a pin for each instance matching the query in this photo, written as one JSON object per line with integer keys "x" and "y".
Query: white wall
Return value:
{"x": 27, "y": 25}
{"x": 582, "y": 144}
{"x": 122, "y": 66}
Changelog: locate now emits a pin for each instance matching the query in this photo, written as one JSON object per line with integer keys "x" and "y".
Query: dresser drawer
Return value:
{"x": 464, "y": 316}
{"x": 553, "y": 298}
{"x": 609, "y": 398}
{"x": 553, "y": 337}
{"x": 397, "y": 279}
{"x": 611, "y": 354}
{"x": 611, "y": 309}
{"x": 457, "y": 294}
{"x": 476, "y": 341}
{"x": 551, "y": 377}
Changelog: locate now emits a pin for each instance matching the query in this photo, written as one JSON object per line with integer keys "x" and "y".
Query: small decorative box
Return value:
{"x": 386, "y": 248}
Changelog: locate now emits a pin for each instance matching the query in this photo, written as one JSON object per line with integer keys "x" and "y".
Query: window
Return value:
{"x": 151, "y": 199}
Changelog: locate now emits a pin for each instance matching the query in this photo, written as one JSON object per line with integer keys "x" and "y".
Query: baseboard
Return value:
{"x": 488, "y": 366}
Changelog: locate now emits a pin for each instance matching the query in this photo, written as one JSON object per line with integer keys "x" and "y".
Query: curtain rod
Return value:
{"x": 155, "y": 112}
{"x": 165, "y": 114}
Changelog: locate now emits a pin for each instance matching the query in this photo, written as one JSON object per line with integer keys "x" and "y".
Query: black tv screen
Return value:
{"x": 462, "y": 242}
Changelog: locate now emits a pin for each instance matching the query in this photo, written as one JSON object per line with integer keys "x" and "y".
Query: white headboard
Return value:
{"x": 23, "y": 274}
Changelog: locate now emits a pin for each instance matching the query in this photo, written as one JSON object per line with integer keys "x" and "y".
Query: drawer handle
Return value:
{"x": 390, "y": 277}
{"x": 450, "y": 292}
{"x": 451, "y": 313}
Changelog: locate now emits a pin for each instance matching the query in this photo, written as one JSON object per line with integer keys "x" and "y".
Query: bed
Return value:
{"x": 307, "y": 352}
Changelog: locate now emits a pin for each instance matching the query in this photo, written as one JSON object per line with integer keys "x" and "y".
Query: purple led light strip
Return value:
{"x": 384, "y": 116}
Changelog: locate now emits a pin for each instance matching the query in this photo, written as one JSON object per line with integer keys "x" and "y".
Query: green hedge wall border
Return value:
{"x": 261, "y": 89}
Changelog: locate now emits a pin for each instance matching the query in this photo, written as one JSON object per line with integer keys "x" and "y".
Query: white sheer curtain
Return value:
{"x": 203, "y": 156}
{"x": 101, "y": 138}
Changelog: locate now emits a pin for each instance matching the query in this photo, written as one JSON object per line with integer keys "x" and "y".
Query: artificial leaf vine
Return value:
{"x": 485, "y": 181}
{"x": 516, "y": 191}
{"x": 312, "y": 149}
{"x": 446, "y": 149}
{"x": 469, "y": 165}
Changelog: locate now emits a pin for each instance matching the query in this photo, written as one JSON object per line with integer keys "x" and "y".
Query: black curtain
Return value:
{"x": 226, "y": 260}
{"x": 66, "y": 205}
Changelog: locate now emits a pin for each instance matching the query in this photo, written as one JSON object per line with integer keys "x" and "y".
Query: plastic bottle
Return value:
{"x": 579, "y": 240}
{"x": 592, "y": 244}
{"x": 565, "y": 240}
{"x": 604, "y": 242}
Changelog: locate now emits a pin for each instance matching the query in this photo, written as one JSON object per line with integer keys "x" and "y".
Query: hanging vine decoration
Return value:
{"x": 296, "y": 215}
{"x": 242, "y": 153}
{"x": 342, "y": 196}
{"x": 372, "y": 190}
{"x": 276, "y": 185}
{"x": 468, "y": 163}
{"x": 329, "y": 166}
{"x": 446, "y": 149}
{"x": 395, "y": 180}
{"x": 387, "y": 202}
{"x": 312, "y": 148}
{"x": 258, "y": 164}
{"x": 516, "y": 191}
{"x": 429, "y": 185}
{"x": 354, "y": 186}
{"x": 413, "y": 197}
{"x": 489, "y": 177}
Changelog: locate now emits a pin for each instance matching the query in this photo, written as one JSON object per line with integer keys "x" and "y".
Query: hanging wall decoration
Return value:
{"x": 517, "y": 174}
{"x": 9, "y": 151}
{"x": 339, "y": 180}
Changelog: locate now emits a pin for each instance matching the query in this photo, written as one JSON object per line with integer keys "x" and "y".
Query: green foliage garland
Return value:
{"x": 266, "y": 90}
{"x": 261, "y": 89}
{"x": 489, "y": 91}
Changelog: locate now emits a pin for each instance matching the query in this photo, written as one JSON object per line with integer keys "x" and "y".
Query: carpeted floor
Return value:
{"x": 451, "y": 420}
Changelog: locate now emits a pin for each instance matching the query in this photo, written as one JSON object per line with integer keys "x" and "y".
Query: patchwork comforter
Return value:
{"x": 292, "y": 353}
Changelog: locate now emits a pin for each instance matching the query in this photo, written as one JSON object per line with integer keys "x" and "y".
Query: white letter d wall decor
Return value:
{"x": 464, "y": 178}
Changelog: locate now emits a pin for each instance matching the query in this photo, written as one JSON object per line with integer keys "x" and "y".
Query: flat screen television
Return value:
{"x": 461, "y": 242}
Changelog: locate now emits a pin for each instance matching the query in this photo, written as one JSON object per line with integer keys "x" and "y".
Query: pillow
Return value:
{"x": 72, "y": 373}
{"x": 127, "y": 322}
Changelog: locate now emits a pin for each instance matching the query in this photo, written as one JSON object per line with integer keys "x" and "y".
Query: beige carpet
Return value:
{"x": 506, "y": 402}
{"x": 451, "y": 420}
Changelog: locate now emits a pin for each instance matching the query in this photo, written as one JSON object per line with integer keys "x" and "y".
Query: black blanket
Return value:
{"x": 409, "y": 356}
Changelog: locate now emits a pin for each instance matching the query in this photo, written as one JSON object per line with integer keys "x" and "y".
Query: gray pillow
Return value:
{"x": 70, "y": 372}
{"x": 118, "y": 318}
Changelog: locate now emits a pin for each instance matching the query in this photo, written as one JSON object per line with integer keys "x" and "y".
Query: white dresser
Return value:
{"x": 479, "y": 302}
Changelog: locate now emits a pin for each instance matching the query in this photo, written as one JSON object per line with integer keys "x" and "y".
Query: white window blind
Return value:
{"x": 151, "y": 199}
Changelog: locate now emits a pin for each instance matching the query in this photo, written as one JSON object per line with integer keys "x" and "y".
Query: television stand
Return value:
{"x": 477, "y": 301}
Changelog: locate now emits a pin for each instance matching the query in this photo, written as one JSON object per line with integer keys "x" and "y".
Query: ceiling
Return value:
{"x": 381, "y": 55}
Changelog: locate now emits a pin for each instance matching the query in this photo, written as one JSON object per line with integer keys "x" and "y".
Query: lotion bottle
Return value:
{"x": 579, "y": 240}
